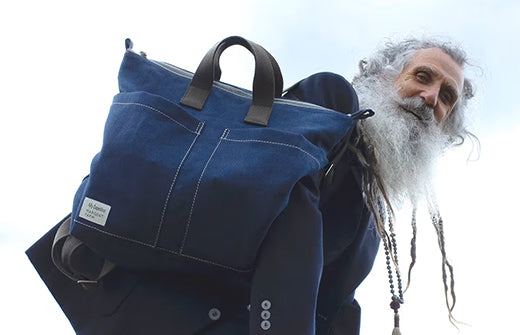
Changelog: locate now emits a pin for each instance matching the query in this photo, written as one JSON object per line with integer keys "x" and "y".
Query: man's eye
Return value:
{"x": 422, "y": 77}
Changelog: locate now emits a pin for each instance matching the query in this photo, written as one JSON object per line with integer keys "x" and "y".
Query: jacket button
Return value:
{"x": 214, "y": 314}
{"x": 265, "y": 325}
{"x": 266, "y": 304}
{"x": 265, "y": 315}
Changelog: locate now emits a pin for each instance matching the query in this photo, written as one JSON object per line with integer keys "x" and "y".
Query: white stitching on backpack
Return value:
{"x": 158, "y": 111}
{"x": 197, "y": 190}
{"x": 207, "y": 261}
{"x": 163, "y": 249}
{"x": 199, "y": 128}
{"x": 277, "y": 143}
{"x": 114, "y": 235}
{"x": 201, "y": 125}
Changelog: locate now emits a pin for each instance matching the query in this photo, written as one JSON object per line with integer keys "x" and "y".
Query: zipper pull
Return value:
{"x": 362, "y": 114}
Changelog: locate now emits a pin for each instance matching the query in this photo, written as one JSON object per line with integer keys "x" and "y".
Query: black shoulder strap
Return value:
{"x": 75, "y": 259}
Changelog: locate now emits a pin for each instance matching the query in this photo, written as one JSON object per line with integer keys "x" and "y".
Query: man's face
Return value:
{"x": 435, "y": 77}
{"x": 405, "y": 135}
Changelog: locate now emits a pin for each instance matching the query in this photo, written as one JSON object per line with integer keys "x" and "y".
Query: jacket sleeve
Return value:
{"x": 338, "y": 313}
{"x": 285, "y": 283}
{"x": 350, "y": 246}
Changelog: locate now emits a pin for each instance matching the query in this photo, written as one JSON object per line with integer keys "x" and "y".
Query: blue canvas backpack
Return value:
{"x": 189, "y": 164}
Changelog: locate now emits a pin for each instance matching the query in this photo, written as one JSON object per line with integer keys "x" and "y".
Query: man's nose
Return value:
{"x": 430, "y": 96}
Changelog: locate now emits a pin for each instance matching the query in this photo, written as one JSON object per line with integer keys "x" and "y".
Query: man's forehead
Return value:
{"x": 441, "y": 63}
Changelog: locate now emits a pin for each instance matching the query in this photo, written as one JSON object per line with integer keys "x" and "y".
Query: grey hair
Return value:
{"x": 386, "y": 65}
{"x": 390, "y": 61}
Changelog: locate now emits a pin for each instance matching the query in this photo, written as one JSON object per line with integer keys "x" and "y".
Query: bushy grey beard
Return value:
{"x": 404, "y": 139}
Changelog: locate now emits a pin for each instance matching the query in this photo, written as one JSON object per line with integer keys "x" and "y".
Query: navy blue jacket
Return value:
{"x": 333, "y": 248}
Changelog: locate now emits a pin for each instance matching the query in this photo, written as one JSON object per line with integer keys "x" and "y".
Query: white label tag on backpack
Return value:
{"x": 94, "y": 211}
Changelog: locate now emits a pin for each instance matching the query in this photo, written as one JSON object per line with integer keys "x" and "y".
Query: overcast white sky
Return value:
{"x": 58, "y": 72}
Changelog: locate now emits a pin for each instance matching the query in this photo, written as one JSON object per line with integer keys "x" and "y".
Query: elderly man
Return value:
{"x": 418, "y": 93}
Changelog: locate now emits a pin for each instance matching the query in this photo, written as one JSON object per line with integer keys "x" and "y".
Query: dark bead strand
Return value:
{"x": 394, "y": 247}
{"x": 390, "y": 245}
{"x": 389, "y": 268}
